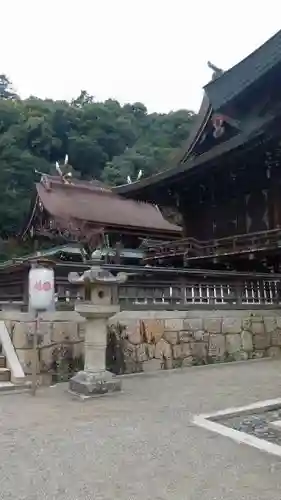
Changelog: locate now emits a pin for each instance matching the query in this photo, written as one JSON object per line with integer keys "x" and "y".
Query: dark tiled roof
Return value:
{"x": 220, "y": 89}
{"x": 138, "y": 188}
{"x": 98, "y": 204}
{"x": 197, "y": 130}
{"x": 234, "y": 81}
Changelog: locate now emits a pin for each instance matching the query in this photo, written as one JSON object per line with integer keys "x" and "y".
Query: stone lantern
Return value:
{"x": 100, "y": 286}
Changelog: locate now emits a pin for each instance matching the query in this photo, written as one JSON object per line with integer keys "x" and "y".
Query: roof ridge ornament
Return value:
{"x": 44, "y": 180}
{"x": 217, "y": 72}
{"x": 67, "y": 176}
{"x": 129, "y": 179}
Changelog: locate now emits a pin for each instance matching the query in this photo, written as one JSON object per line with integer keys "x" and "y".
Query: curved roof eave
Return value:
{"x": 185, "y": 151}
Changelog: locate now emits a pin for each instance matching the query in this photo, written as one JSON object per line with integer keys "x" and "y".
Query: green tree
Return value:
{"x": 6, "y": 89}
{"x": 104, "y": 140}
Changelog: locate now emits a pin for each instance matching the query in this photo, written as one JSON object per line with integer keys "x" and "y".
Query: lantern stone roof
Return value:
{"x": 96, "y": 203}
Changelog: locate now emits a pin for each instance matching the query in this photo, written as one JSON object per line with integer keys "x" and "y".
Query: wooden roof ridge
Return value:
{"x": 246, "y": 72}
{"x": 101, "y": 208}
{"x": 55, "y": 181}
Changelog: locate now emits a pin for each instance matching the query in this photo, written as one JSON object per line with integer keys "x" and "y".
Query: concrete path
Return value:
{"x": 138, "y": 445}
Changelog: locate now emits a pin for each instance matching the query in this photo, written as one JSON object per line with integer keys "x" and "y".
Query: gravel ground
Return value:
{"x": 139, "y": 444}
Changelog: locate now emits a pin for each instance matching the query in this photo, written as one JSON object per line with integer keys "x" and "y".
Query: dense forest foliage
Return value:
{"x": 104, "y": 140}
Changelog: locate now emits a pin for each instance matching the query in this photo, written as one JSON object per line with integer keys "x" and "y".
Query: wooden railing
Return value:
{"x": 192, "y": 248}
{"x": 150, "y": 288}
{"x": 159, "y": 288}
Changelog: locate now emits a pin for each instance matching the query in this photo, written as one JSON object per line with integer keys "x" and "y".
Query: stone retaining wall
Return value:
{"x": 152, "y": 340}
{"x": 54, "y": 328}
{"x": 163, "y": 340}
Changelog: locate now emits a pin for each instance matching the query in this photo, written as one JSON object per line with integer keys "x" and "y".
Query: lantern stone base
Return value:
{"x": 90, "y": 384}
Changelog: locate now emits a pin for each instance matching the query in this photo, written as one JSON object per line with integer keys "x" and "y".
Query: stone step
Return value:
{"x": 10, "y": 388}
{"x": 5, "y": 375}
{"x": 2, "y": 361}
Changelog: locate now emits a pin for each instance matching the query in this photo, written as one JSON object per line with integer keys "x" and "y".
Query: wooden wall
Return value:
{"x": 234, "y": 199}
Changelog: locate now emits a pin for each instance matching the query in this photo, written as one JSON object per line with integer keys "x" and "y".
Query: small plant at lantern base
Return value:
{"x": 115, "y": 362}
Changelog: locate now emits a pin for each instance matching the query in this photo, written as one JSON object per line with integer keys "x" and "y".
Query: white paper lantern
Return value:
{"x": 41, "y": 288}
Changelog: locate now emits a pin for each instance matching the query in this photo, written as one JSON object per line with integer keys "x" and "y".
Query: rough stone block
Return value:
{"x": 193, "y": 324}
{"x": 276, "y": 337}
{"x": 187, "y": 362}
{"x": 233, "y": 343}
{"x": 213, "y": 325}
{"x": 26, "y": 358}
{"x": 270, "y": 324}
{"x": 258, "y": 327}
{"x": 163, "y": 350}
{"x": 257, "y": 318}
{"x": 130, "y": 357}
{"x": 46, "y": 359}
{"x": 181, "y": 351}
{"x": 19, "y": 336}
{"x": 199, "y": 351}
{"x": 239, "y": 356}
{"x": 129, "y": 349}
{"x": 259, "y": 354}
{"x": 45, "y": 332}
{"x": 186, "y": 350}
{"x": 141, "y": 353}
{"x": 186, "y": 336}
{"x": 261, "y": 341}
{"x": 152, "y": 365}
{"x": 172, "y": 337}
{"x": 217, "y": 348}
{"x": 174, "y": 324}
{"x": 168, "y": 363}
{"x": 247, "y": 324}
{"x": 231, "y": 325}
{"x": 274, "y": 352}
{"x": 64, "y": 330}
{"x": 23, "y": 335}
{"x": 247, "y": 341}
{"x": 154, "y": 330}
{"x": 278, "y": 322}
{"x": 133, "y": 332}
{"x": 150, "y": 350}
{"x": 44, "y": 340}
{"x": 132, "y": 366}
{"x": 199, "y": 335}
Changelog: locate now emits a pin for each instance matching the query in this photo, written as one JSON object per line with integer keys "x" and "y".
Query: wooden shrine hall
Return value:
{"x": 74, "y": 223}
{"x": 224, "y": 186}
{"x": 69, "y": 210}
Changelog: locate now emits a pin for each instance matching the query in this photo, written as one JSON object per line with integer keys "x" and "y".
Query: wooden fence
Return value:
{"x": 162, "y": 288}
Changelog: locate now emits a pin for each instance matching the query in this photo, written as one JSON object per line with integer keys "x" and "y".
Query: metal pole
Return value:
{"x": 34, "y": 357}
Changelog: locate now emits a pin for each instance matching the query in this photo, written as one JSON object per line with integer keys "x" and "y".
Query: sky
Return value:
{"x": 152, "y": 51}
